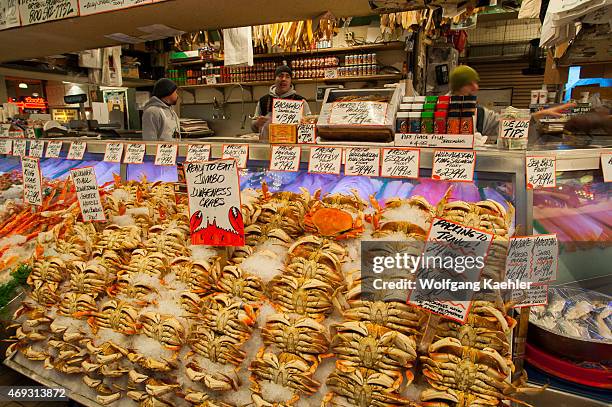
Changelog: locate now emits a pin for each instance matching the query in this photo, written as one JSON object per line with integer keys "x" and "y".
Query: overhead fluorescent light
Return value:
{"x": 35, "y": 94}
{"x": 23, "y": 85}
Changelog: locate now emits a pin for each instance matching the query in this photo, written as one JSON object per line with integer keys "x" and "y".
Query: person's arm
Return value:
{"x": 306, "y": 108}
{"x": 152, "y": 124}
{"x": 553, "y": 111}
{"x": 490, "y": 125}
{"x": 256, "y": 123}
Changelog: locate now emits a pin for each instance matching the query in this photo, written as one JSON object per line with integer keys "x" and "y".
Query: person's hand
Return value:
{"x": 260, "y": 121}
{"x": 553, "y": 111}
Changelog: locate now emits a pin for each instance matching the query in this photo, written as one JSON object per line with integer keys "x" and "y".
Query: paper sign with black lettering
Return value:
{"x": 512, "y": 128}
{"x": 113, "y": 152}
{"x": 37, "y": 147}
{"x": 32, "y": 189}
{"x": 166, "y": 154}
{"x": 541, "y": 172}
{"x": 400, "y": 162}
{"x": 287, "y": 111}
{"x": 519, "y": 258}
{"x": 285, "y": 158}
{"x": 198, "y": 153}
{"x": 545, "y": 258}
{"x": 29, "y": 132}
{"x": 88, "y": 194}
{"x": 214, "y": 203}
{"x": 19, "y": 147}
{"x": 134, "y": 153}
{"x": 9, "y": 14}
{"x": 211, "y": 80}
{"x": 533, "y": 297}
{"x": 53, "y": 149}
{"x": 6, "y": 146}
{"x": 331, "y": 73}
{"x": 76, "y": 150}
{"x": 36, "y": 11}
{"x": 87, "y": 7}
{"x": 435, "y": 140}
{"x": 362, "y": 161}
{"x": 606, "y": 166}
{"x": 5, "y": 130}
{"x": 239, "y": 152}
{"x": 358, "y": 113}
{"x": 306, "y": 133}
{"x": 325, "y": 160}
{"x": 452, "y": 165}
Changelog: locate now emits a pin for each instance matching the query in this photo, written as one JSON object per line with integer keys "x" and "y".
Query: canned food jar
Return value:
{"x": 415, "y": 122}
{"x": 402, "y": 122}
{"x": 468, "y": 107}
{"x": 429, "y": 107}
{"x": 427, "y": 122}
{"x": 431, "y": 99}
{"x": 453, "y": 123}
{"x": 440, "y": 122}
{"x": 417, "y": 107}
{"x": 467, "y": 123}
{"x": 441, "y": 107}
{"x": 455, "y": 107}
{"x": 444, "y": 99}
{"x": 456, "y": 99}
{"x": 405, "y": 107}
{"x": 419, "y": 99}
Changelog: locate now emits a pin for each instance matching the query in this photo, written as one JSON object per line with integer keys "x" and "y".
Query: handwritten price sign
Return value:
{"x": 32, "y": 190}
{"x": 285, "y": 158}
{"x": 166, "y": 154}
{"x": 5, "y": 130}
{"x": 198, "y": 153}
{"x": 19, "y": 147}
{"x": 306, "y": 133}
{"x": 516, "y": 129}
{"x": 37, "y": 147}
{"x": 358, "y": 113}
{"x": 606, "y": 166}
{"x": 453, "y": 165}
{"x": 535, "y": 296}
{"x": 134, "y": 153}
{"x": 533, "y": 258}
{"x": 35, "y": 11}
{"x": 86, "y": 185}
{"x": 362, "y": 161}
{"x": 325, "y": 160}
{"x": 239, "y": 152}
{"x": 53, "y": 149}
{"x": 400, "y": 162}
{"x": 541, "y": 172}
{"x": 113, "y": 152}
{"x": 6, "y": 146}
{"x": 76, "y": 150}
{"x": 286, "y": 111}
{"x": 87, "y": 7}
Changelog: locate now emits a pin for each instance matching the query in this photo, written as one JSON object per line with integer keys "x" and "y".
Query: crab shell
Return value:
{"x": 333, "y": 222}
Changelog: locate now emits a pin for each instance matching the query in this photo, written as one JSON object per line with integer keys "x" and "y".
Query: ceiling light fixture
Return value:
{"x": 23, "y": 85}
{"x": 35, "y": 94}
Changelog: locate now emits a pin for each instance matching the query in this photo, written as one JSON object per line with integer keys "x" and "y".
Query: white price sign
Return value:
{"x": 400, "y": 162}
{"x": 88, "y": 194}
{"x": 358, "y": 113}
{"x": 512, "y": 128}
{"x": 541, "y": 172}
{"x": 87, "y": 7}
{"x": 452, "y": 165}
{"x": 535, "y": 296}
{"x": 533, "y": 259}
{"x": 53, "y": 149}
{"x": 19, "y": 147}
{"x": 29, "y": 132}
{"x": 198, "y": 153}
{"x": 211, "y": 80}
{"x": 5, "y": 130}
{"x": 239, "y": 152}
{"x": 606, "y": 166}
{"x": 325, "y": 160}
{"x": 331, "y": 73}
{"x": 134, "y": 153}
{"x": 32, "y": 189}
{"x": 435, "y": 140}
{"x": 286, "y": 111}
{"x": 37, "y": 147}
{"x": 76, "y": 150}
{"x": 113, "y": 152}
{"x": 362, "y": 161}
{"x": 166, "y": 154}
{"x": 9, "y": 14}
{"x": 306, "y": 133}
{"x": 35, "y": 11}
{"x": 285, "y": 158}
{"x": 6, "y": 146}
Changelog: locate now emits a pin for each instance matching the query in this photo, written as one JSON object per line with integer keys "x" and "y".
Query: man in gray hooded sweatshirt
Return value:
{"x": 159, "y": 121}
{"x": 282, "y": 89}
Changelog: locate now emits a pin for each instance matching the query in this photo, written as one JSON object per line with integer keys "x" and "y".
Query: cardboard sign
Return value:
{"x": 285, "y": 158}
{"x": 113, "y": 152}
{"x": 87, "y": 7}
{"x": 358, "y": 113}
{"x": 435, "y": 140}
{"x": 325, "y": 160}
{"x": 5, "y": 130}
{"x": 53, "y": 149}
{"x": 134, "y": 153}
{"x": 76, "y": 150}
{"x": 239, "y": 152}
{"x": 211, "y": 80}
{"x": 19, "y": 147}
{"x": 533, "y": 258}
{"x": 35, "y": 11}
{"x": 6, "y": 146}
{"x": 32, "y": 189}
{"x": 86, "y": 185}
{"x": 37, "y": 147}
{"x": 29, "y": 132}
{"x": 541, "y": 172}
{"x": 198, "y": 153}
{"x": 331, "y": 73}
{"x": 362, "y": 161}
{"x": 535, "y": 296}
{"x": 214, "y": 203}
{"x": 286, "y": 111}
{"x": 606, "y": 166}
{"x": 512, "y": 128}
{"x": 400, "y": 162}
{"x": 453, "y": 165}
{"x": 166, "y": 154}
{"x": 306, "y": 133}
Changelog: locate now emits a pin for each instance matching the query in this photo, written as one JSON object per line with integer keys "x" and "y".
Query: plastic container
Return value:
{"x": 455, "y": 107}
{"x": 402, "y": 122}
{"x": 440, "y": 122}
{"x": 417, "y": 107}
{"x": 468, "y": 107}
{"x": 453, "y": 123}
{"x": 431, "y": 99}
{"x": 444, "y": 99}
{"x": 415, "y": 122}
{"x": 405, "y": 107}
{"x": 429, "y": 107}
{"x": 427, "y": 122}
{"x": 419, "y": 99}
{"x": 441, "y": 106}
{"x": 467, "y": 123}
{"x": 456, "y": 99}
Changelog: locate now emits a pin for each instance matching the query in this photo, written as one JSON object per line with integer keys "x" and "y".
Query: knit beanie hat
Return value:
{"x": 461, "y": 76}
{"x": 163, "y": 87}
{"x": 283, "y": 68}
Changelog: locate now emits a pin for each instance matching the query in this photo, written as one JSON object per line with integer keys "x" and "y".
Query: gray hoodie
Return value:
{"x": 272, "y": 92}
{"x": 159, "y": 121}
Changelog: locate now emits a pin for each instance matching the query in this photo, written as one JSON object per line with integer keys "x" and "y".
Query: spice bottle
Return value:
{"x": 453, "y": 123}
{"x": 429, "y": 107}
{"x": 402, "y": 122}
{"x": 427, "y": 122}
{"x": 431, "y": 99}
{"x": 467, "y": 123}
{"x": 415, "y": 122}
{"x": 440, "y": 122}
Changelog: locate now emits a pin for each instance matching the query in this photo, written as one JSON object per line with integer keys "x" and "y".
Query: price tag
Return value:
{"x": 331, "y": 73}
{"x": 29, "y": 132}
{"x": 512, "y": 128}
{"x": 211, "y": 80}
{"x": 166, "y": 154}
{"x": 19, "y": 147}
{"x": 362, "y": 161}
{"x": 5, "y": 130}
{"x": 325, "y": 160}
{"x": 606, "y": 166}
{"x": 76, "y": 150}
{"x": 34, "y": 11}
{"x": 286, "y": 111}
{"x": 53, "y": 149}
{"x": 37, "y": 147}
{"x": 113, "y": 152}
{"x": 285, "y": 158}
{"x": 358, "y": 113}
{"x": 533, "y": 259}
{"x": 6, "y": 146}
{"x": 306, "y": 133}
{"x": 198, "y": 153}
{"x": 453, "y": 165}
{"x": 32, "y": 190}
{"x": 535, "y": 296}
{"x": 134, "y": 153}
{"x": 239, "y": 152}
{"x": 88, "y": 194}
{"x": 541, "y": 172}
{"x": 214, "y": 203}
{"x": 400, "y": 162}
{"x": 519, "y": 258}
{"x": 93, "y": 7}
{"x": 435, "y": 140}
